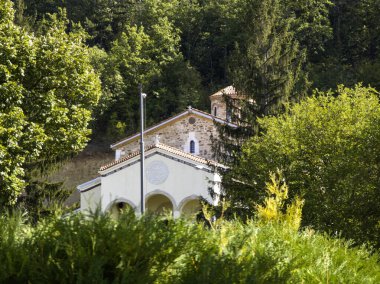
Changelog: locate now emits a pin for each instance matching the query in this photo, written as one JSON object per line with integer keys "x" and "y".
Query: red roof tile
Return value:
{"x": 168, "y": 149}
{"x": 230, "y": 90}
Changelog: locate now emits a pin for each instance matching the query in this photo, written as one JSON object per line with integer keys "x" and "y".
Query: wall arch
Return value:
{"x": 158, "y": 191}
{"x": 115, "y": 207}
{"x": 190, "y": 205}
{"x": 158, "y": 201}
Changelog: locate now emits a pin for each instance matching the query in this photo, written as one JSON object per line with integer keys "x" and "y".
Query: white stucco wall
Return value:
{"x": 186, "y": 179}
{"x": 90, "y": 200}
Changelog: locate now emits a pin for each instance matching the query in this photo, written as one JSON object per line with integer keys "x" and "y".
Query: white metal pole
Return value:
{"x": 142, "y": 158}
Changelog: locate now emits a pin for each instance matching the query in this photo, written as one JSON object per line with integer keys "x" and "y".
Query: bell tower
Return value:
{"x": 218, "y": 105}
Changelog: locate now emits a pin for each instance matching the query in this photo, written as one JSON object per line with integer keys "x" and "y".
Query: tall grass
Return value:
{"x": 151, "y": 249}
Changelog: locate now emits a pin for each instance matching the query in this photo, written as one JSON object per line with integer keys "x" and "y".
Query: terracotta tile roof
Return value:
{"x": 189, "y": 111}
{"x": 230, "y": 90}
{"x": 169, "y": 149}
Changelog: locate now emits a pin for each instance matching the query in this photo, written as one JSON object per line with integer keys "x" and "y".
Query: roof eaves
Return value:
{"x": 217, "y": 119}
{"x": 89, "y": 184}
{"x": 164, "y": 147}
{"x": 173, "y": 118}
{"x": 126, "y": 158}
{"x": 189, "y": 156}
{"x": 170, "y": 119}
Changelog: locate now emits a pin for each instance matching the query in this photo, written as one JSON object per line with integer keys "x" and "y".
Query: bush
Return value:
{"x": 97, "y": 249}
{"x": 327, "y": 147}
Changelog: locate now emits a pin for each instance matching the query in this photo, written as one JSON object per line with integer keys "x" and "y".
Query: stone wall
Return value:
{"x": 218, "y": 107}
{"x": 178, "y": 134}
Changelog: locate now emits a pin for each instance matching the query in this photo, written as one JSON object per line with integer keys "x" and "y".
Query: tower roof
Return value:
{"x": 229, "y": 91}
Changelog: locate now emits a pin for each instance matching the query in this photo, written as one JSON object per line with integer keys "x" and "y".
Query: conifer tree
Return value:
{"x": 266, "y": 70}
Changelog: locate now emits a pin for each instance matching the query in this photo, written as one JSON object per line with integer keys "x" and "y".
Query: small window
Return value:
{"x": 214, "y": 111}
{"x": 192, "y": 147}
{"x": 228, "y": 115}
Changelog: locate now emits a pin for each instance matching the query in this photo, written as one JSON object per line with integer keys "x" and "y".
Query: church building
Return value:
{"x": 179, "y": 165}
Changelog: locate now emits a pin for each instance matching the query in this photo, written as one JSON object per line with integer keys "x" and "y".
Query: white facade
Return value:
{"x": 177, "y": 176}
{"x": 175, "y": 181}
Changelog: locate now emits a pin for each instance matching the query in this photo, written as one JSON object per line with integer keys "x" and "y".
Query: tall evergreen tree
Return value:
{"x": 266, "y": 70}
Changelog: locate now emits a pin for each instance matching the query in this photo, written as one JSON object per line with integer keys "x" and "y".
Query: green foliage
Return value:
{"x": 327, "y": 148}
{"x": 208, "y": 32}
{"x": 149, "y": 54}
{"x": 47, "y": 91}
{"x": 312, "y": 27}
{"x": 274, "y": 205}
{"x": 16, "y": 147}
{"x": 266, "y": 69}
{"x": 139, "y": 53}
{"x": 42, "y": 198}
{"x": 267, "y": 65}
{"x": 336, "y": 35}
{"x": 97, "y": 249}
{"x": 354, "y": 47}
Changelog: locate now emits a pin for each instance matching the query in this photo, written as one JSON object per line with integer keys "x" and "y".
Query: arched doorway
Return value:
{"x": 191, "y": 207}
{"x": 118, "y": 207}
{"x": 158, "y": 204}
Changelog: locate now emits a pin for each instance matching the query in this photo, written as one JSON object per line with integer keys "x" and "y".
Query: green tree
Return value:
{"x": 266, "y": 66}
{"x": 266, "y": 69}
{"x": 47, "y": 91}
{"x": 136, "y": 57}
{"x": 104, "y": 20}
{"x": 208, "y": 32}
{"x": 311, "y": 26}
{"x": 352, "y": 54}
{"x": 150, "y": 55}
{"x": 328, "y": 149}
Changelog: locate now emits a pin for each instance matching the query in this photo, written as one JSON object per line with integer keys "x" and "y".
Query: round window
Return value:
{"x": 191, "y": 120}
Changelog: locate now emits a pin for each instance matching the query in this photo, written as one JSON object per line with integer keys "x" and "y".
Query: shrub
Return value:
{"x": 327, "y": 147}
{"x": 152, "y": 249}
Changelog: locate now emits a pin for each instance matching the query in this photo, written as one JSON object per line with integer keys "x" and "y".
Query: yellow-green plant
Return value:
{"x": 274, "y": 210}
{"x": 210, "y": 214}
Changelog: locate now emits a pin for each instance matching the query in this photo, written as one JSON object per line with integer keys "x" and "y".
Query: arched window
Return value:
{"x": 214, "y": 111}
{"x": 192, "y": 147}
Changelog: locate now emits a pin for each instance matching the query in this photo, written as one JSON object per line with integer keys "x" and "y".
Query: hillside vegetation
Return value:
{"x": 308, "y": 71}
{"x": 182, "y": 51}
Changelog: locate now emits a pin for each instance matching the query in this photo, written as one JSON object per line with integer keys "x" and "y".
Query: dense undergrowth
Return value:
{"x": 151, "y": 249}
{"x": 96, "y": 248}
